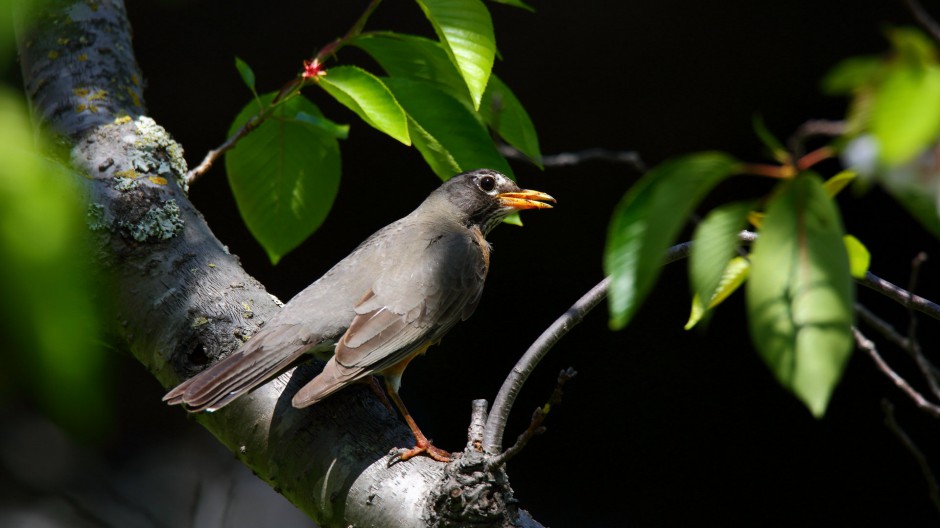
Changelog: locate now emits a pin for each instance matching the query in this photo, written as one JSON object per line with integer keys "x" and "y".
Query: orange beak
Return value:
{"x": 525, "y": 199}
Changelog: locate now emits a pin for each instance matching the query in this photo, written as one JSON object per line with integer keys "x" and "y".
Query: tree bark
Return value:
{"x": 182, "y": 300}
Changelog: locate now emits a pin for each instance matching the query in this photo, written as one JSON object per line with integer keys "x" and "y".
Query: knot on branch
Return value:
{"x": 471, "y": 493}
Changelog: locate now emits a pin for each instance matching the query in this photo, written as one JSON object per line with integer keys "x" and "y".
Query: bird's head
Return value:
{"x": 483, "y": 197}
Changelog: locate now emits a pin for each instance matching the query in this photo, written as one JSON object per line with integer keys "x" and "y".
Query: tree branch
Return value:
{"x": 892, "y": 424}
{"x": 183, "y": 300}
{"x": 867, "y": 346}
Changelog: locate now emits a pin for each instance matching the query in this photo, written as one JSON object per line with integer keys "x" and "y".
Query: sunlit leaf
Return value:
{"x": 466, "y": 30}
{"x": 853, "y": 74}
{"x": 776, "y": 148}
{"x": 733, "y": 276}
{"x": 905, "y": 113}
{"x": 859, "y": 256}
{"x": 448, "y": 135}
{"x": 367, "y": 96}
{"x": 834, "y": 185}
{"x": 648, "y": 219}
{"x": 284, "y": 175}
{"x": 800, "y": 294}
{"x": 516, "y": 3}
{"x": 713, "y": 244}
{"x": 416, "y": 58}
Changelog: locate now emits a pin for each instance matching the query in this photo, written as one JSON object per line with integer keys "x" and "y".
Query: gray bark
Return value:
{"x": 183, "y": 300}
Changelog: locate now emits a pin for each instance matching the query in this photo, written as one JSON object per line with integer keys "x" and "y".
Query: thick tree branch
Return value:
{"x": 183, "y": 300}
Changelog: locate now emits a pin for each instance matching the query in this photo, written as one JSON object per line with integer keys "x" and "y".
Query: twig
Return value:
{"x": 477, "y": 425}
{"x": 892, "y": 424}
{"x": 902, "y": 296}
{"x": 502, "y": 405}
{"x": 916, "y": 351}
{"x": 869, "y": 348}
{"x": 923, "y": 18}
{"x": 535, "y": 425}
{"x": 565, "y": 159}
{"x": 814, "y": 128}
{"x": 283, "y": 94}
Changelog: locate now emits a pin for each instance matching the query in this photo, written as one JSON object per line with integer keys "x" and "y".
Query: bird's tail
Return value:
{"x": 235, "y": 375}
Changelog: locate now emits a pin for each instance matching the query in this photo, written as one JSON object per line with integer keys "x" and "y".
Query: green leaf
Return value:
{"x": 415, "y": 58}
{"x": 516, "y": 3}
{"x": 503, "y": 112}
{"x": 774, "y": 145}
{"x": 51, "y": 314}
{"x": 248, "y": 76}
{"x": 367, "y": 96}
{"x": 733, "y": 276}
{"x": 859, "y": 256}
{"x": 853, "y": 74}
{"x": 284, "y": 175}
{"x": 905, "y": 113}
{"x": 332, "y": 128}
{"x": 800, "y": 294}
{"x": 713, "y": 244}
{"x": 648, "y": 219}
{"x": 466, "y": 30}
{"x": 834, "y": 185}
{"x": 446, "y": 132}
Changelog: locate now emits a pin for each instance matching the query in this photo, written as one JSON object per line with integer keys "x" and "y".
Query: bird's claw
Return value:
{"x": 427, "y": 449}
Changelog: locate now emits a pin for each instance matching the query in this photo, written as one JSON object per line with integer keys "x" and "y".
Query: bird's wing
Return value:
{"x": 414, "y": 304}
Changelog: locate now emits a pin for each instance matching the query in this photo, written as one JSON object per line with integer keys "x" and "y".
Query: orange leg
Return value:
{"x": 422, "y": 444}
{"x": 392, "y": 376}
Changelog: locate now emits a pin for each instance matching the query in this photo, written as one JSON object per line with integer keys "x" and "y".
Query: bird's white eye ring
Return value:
{"x": 487, "y": 183}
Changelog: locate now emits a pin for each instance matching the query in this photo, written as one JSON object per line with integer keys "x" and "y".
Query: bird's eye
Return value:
{"x": 487, "y": 183}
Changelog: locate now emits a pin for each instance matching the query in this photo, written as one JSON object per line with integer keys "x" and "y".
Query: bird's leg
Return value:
{"x": 422, "y": 444}
{"x": 377, "y": 389}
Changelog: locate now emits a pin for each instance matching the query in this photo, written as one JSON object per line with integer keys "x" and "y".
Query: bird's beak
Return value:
{"x": 525, "y": 199}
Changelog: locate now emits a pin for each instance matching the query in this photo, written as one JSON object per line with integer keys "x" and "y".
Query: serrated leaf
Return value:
{"x": 646, "y": 222}
{"x": 714, "y": 243}
{"x": 284, "y": 175}
{"x": 905, "y": 113}
{"x": 247, "y": 75}
{"x": 834, "y": 185}
{"x": 503, "y": 112}
{"x": 859, "y": 256}
{"x": 800, "y": 294}
{"x": 447, "y": 133}
{"x": 466, "y": 30}
{"x": 414, "y": 57}
{"x": 367, "y": 96}
{"x": 733, "y": 276}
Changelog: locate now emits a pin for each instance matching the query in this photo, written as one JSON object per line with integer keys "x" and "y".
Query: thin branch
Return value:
{"x": 535, "y": 425}
{"x": 283, "y": 94}
{"x": 924, "y": 18}
{"x": 919, "y": 400}
{"x": 811, "y": 129}
{"x": 892, "y": 424}
{"x": 922, "y": 363}
{"x": 567, "y": 159}
{"x": 902, "y": 296}
{"x": 502, "y": 405}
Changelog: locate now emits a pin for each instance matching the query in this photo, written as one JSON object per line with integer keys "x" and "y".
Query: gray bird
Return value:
{"x": 395, "y": 295}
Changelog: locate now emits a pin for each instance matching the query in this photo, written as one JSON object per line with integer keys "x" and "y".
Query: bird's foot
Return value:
{"x": 422, "y": 448}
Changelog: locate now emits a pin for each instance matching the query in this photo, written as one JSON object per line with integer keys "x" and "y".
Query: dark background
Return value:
{"x": 661, "y": 427}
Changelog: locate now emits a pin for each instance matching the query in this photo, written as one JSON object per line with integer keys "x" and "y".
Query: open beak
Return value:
{"x": 525, "y": 199}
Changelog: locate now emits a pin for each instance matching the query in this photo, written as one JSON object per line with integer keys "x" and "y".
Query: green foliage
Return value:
{"x": 647, "y": 221}
{"x": 439, "y": 96}
{"x": 285, "y": 174}
{"x": 714, "y": 243}
{"x": 894, "y": 118}
{"x": 369, "y": 98}
{"x": 465, "y": 30}
{"x": 51, "y": 320}
{"x": 800, "y": 292}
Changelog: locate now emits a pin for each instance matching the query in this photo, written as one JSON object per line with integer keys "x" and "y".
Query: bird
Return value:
{"x": 397, "y": 293}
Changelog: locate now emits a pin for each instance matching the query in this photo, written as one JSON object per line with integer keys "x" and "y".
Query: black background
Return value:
{"x": 661, "y": 427}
